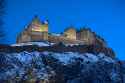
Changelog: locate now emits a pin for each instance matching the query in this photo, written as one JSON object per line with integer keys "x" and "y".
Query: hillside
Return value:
{"x": 56, "y": 47}
{"x": 59, "y": 63}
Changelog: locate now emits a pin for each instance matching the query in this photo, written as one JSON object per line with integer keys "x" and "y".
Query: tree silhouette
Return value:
{"x": 2, "y": 12}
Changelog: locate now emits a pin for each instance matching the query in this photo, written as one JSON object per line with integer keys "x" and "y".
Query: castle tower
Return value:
{"x": 39, "y": 26}
{"x": 70, "y": 33}
{"x": 85, "y": 35}
{"x": 35, "y": 31}
{"x": 38, "y": 29}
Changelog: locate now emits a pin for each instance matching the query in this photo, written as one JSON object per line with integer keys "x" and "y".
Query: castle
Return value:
{"x": 38, "y": 31}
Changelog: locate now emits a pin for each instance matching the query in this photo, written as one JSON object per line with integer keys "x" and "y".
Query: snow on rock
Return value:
{"x": 91, "y": 57}
{"x": 71, "y": 44}
{"x": 105, "y": 58}
{"x": 64, "y": 57}
{"x": 22, "y": 63}
{"x": 67, "y": 67}
{"x": 68, "y": 57}
{"x": 33, "y": 43}
{"x": 56, "y": 34}
{"x": 23, "y": 56}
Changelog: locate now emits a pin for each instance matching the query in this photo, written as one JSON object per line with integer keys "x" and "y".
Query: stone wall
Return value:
{"x": 57, "y": 39}
{"x": 85, "y": 35}
{"x": 23, "y": 37}
{"x": 38, "y": 31}
{"x": 70, "y": 36}
{"x": 39, "y": 36}
{"x": 70, "y": 33}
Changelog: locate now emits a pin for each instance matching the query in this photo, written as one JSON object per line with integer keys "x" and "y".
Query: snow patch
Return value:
{"x": 55, "y": 34}
{"x": 23, "y": 57}
{"x": 105, "y": 58}
{"x": 33, "y": 43}
{"x": 68, "y": 57}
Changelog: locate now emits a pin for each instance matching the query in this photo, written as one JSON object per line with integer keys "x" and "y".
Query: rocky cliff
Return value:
{"x": 44, "y": 62}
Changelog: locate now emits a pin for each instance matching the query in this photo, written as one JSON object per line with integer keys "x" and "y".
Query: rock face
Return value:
{"x": 60, "y": 67}
{"x": 56, "y": 47}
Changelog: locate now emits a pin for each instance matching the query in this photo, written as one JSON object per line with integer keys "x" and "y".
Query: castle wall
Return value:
{"x": 100, "y": 42}
{"x": 38, "y": 31}
{"x": 39, "y": 36}
{"x": 57, "y": 39}
{"x": 86, "y": 36}
{"x": 70, "y": 34}
{"x": 24, "y": 37}
{"x": 35, "y": 31}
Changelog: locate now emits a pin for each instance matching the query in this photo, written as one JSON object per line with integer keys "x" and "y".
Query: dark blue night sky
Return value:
{"x": 105, "y": 17}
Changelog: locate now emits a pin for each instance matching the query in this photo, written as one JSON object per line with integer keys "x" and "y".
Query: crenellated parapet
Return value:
{"x": 37, "y": 30}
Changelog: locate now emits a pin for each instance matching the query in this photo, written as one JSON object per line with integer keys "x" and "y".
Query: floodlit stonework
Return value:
{"x": 38, "y": 31}
{"x": 35, "y": 31}
{"x": 70, "y": 33}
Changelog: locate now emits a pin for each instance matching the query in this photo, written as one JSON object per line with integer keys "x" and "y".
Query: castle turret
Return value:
{"x": 70, "y": 33}
{"x": 35, "y": 31}
{"x": 37, "y": 25}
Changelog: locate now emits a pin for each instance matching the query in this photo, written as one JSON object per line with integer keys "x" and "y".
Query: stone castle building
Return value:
{"x": 35, "y": 31}
{"x": 38, "y": 31}
{"x": 86, "y": 35}
{"x": 70, "y": 33}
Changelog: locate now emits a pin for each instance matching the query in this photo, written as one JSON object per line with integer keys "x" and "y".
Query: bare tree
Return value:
{"x": 2, "y": 12}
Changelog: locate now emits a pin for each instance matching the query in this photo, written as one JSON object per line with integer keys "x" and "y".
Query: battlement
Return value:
{"x": 38, "y": 31}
